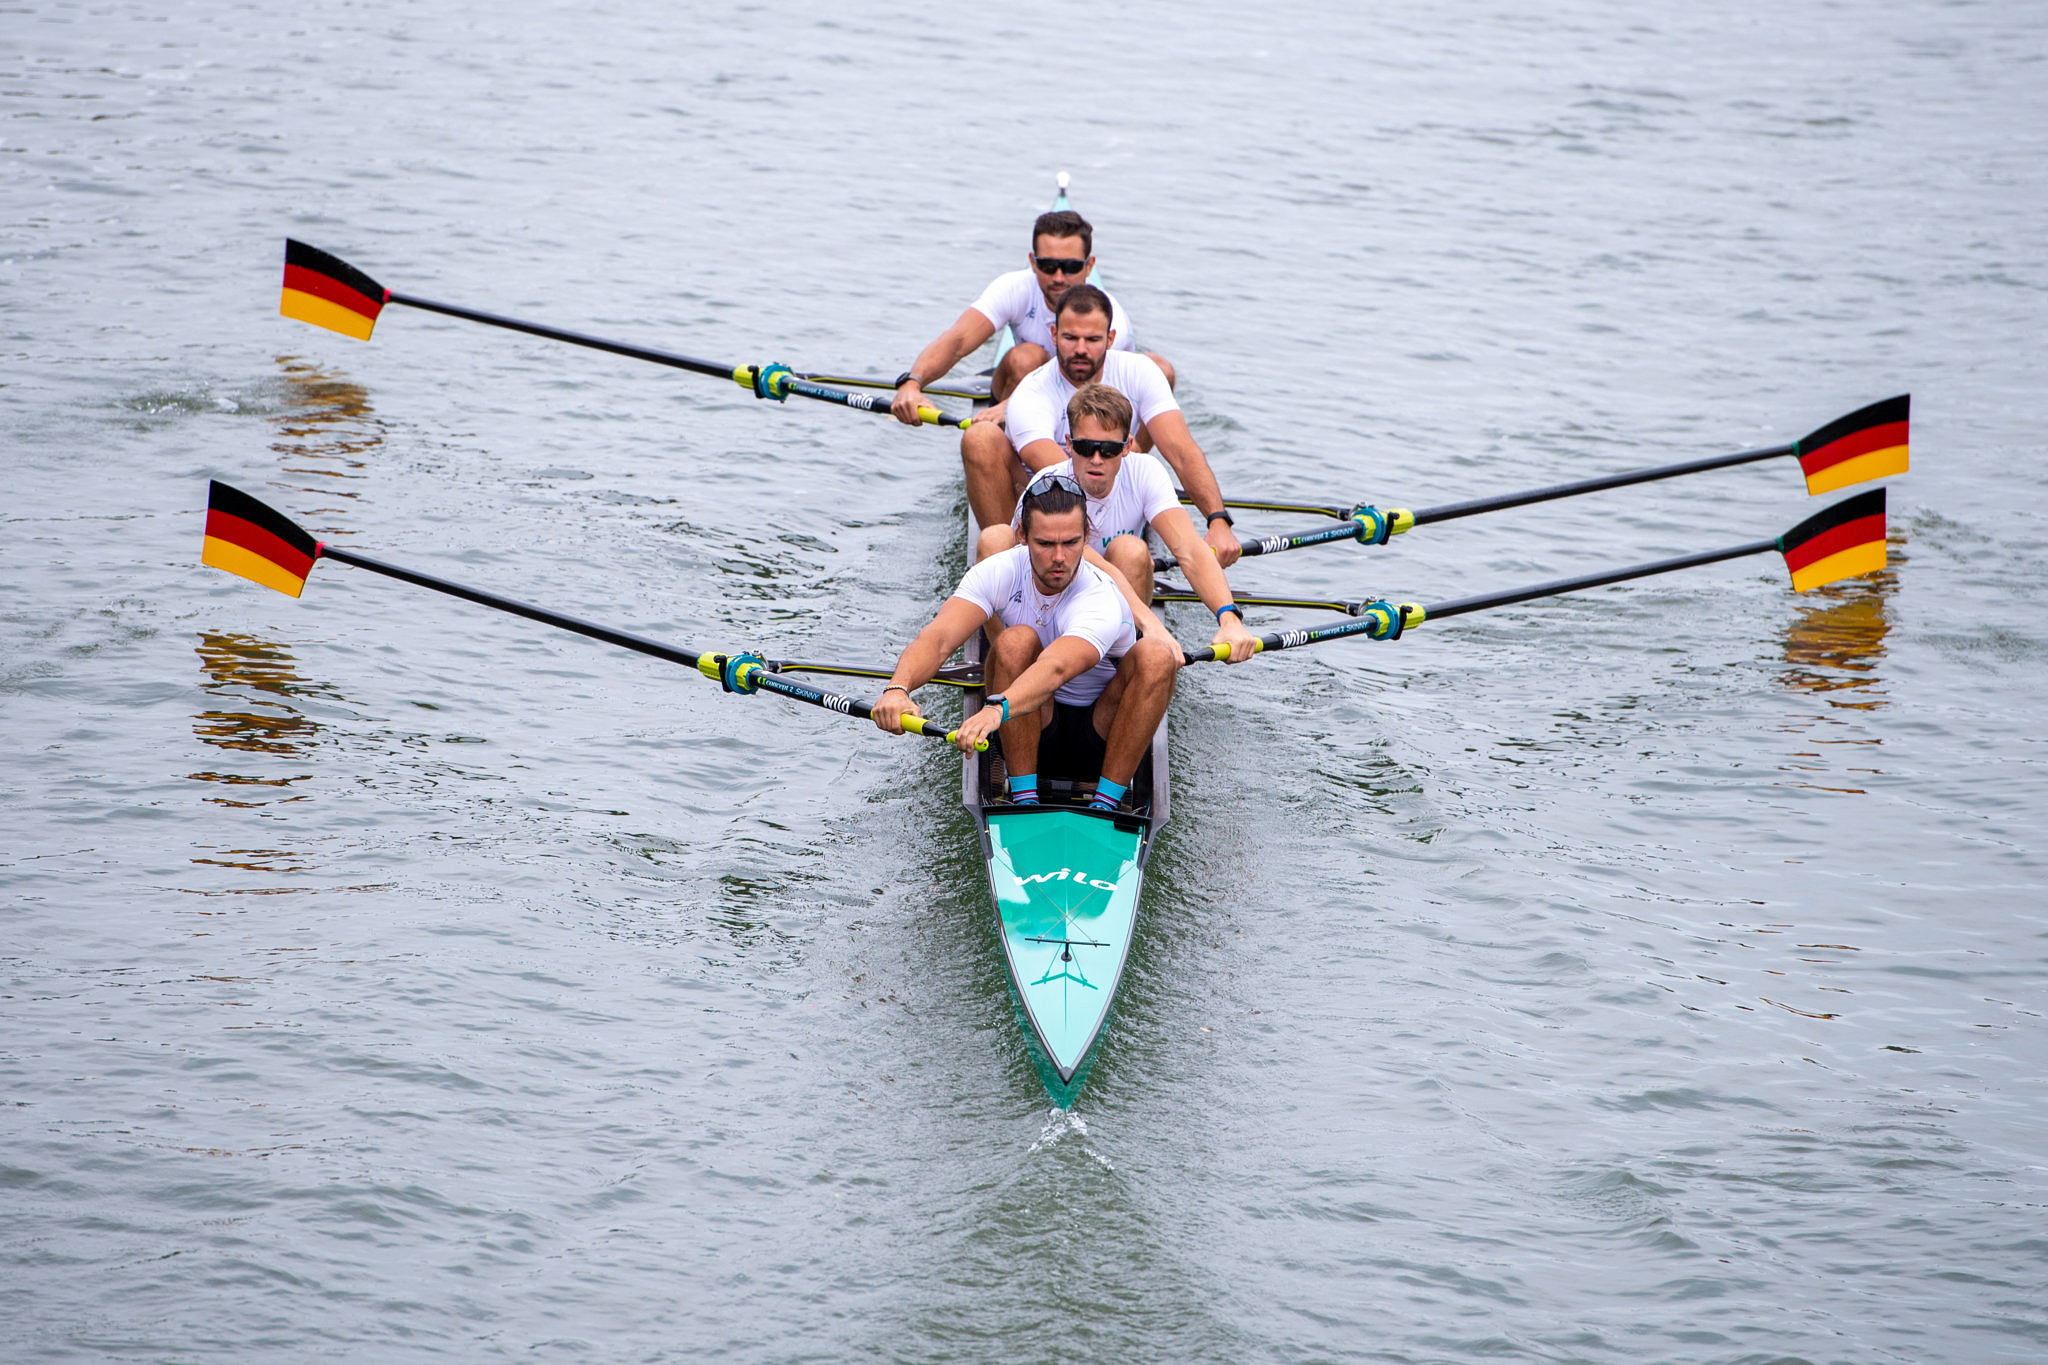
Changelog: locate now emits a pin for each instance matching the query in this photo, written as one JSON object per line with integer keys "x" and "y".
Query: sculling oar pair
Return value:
{"x": 1870, "y": 443}
{"x": 259, "y": 543}
{"x": 329, "y": 292}
{"x": 1838, "y": 542}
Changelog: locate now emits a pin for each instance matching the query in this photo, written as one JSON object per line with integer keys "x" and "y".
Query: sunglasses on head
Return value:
{"x": 1059, "y": 265}
{"x": 1045, "y": 483}
{"x": 1085, "y": 449}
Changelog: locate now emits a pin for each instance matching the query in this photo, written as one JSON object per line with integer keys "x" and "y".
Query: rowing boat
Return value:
{"x": 1065, "y": 882}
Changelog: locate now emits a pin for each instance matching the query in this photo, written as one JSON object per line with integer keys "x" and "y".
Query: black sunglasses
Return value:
{"x": 1058, "y": 265}
{"x": 1045, "y": 483}
{"x": 1086, "y": 449}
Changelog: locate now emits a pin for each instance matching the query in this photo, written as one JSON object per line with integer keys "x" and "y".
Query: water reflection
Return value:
{"x": 235, "y": 666}
{"x": 1835, "y": 646}
{"x": 327, "y": 427}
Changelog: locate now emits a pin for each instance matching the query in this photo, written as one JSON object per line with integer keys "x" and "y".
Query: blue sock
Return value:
{"x": 1024, "y": 790}
{"x": 1107, "y": 794}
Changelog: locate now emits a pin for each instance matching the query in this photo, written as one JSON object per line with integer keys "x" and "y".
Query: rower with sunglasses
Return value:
{"x": 997, "y": 462}
{"x": 1128, "y": 492}
{"x": 1061, "y": 256}
{"x": 1073, "y": 689}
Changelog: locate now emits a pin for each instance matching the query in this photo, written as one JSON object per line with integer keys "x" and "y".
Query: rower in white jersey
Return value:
{"x": 1072, "y": 688}
{"x": 999, "y": 462}
{"x": 1127, "y": 492}
{"x": 1061, "y": 256}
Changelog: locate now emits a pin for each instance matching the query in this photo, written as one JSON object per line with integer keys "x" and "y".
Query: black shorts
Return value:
{"x": 1069, "y": 748}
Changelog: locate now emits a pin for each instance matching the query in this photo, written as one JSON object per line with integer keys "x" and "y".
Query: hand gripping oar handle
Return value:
{"x": 763, "y": 381}
{"x": 741, "y": 673}
{"x": 1368, "y": 526}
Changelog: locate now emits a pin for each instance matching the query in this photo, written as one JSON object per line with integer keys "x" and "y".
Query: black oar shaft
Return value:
{"x": 1267, "y": 505}
{"x": 669, "y": 358}
{"x": 743, "y": 375}
{"x": 764, "y": 679}
{"x": 620, "y": 638}
{"x": 1473, "y": 507}
{"x": 1580, "y": 582}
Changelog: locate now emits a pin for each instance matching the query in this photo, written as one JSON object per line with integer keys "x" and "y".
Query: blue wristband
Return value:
{"x": 1229, "y": 606}
{"x": 1001, "y": 701}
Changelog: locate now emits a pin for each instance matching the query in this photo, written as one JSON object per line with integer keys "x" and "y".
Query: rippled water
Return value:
{"x": 1652, "y": 975}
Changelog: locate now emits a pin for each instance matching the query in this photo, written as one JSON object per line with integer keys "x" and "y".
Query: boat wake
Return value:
{"x": 1059, "y": 1123}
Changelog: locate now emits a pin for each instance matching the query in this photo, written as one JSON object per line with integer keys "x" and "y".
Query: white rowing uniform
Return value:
{"x": 1090, "y": 609}
{"x": 1143, "y": 489}
{"x": 1015, "y": 301}
{"x": 1038, "y": 406}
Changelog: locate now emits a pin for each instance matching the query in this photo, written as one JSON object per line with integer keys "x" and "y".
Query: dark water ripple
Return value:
{"x": 1652, "y": 975}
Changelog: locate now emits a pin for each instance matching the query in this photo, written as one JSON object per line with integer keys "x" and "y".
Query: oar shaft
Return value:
{"x": 623, "y": 639}
{"x": 1472, "y": 508}
{"x": 762, "y": 678}
{"x": 1348, "y": 607}
{"x": 1578, "y": 583}
{"x": 740, "y": 374}
{"x": 1378, "y": 617}
{"x": 669, "y": 358}
{"x": 1267, "y": 505}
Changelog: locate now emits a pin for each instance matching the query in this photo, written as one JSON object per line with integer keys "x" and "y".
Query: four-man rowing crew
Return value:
{"x": 1068, "y": 667}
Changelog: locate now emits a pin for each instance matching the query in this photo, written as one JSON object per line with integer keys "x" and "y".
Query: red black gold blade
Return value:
{"x": 1837, "y": 542}
{"x": 262, "y": 544}
{"x": 1867, "y": 444}
{"x": 329, "y": 292}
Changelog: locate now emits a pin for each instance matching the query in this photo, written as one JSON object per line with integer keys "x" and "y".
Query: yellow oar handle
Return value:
{"x": 1222, "y": 651}
{"x": 933, "y": 417}
{"x": 917, "y": 725}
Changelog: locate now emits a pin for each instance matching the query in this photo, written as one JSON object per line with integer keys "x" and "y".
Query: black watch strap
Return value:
{"x": 906, "y": 377}
{"x": 1223, "y": 516}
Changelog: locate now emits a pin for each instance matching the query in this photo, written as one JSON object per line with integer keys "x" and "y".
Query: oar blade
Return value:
{"x": 255, "y": 541}
{"x": 1870, "y": 443}
{"x": 1842, "y": 541}
{"x": 328, "y": 292}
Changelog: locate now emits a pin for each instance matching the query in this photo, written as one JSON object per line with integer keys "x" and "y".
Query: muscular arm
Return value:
{"x": 1205, "y": 576}
{"x": 924, "y": 657}
{"x": 1176, "y": 444}
{"x": 935, "y": 361}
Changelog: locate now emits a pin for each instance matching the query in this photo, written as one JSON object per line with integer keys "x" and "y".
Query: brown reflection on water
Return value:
{"x": 1833, "y": 650}
{"x": 237, "y": 666}
{"x": 327, "y": 427}
{"x": 1836, "y": 645}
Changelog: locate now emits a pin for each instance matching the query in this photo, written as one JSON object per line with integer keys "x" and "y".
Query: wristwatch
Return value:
{"x": 908, "y": 376}
{"x": 1223, "y": 516}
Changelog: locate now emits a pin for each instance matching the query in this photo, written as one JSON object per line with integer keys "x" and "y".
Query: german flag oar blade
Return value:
{"x": 1870, "y": 443}
{"x": 329, "y": 292}
{"x": 258, "y": 542}
{"x": 1841, "y": 542}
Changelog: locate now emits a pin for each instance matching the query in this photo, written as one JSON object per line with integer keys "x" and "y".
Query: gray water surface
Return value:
{"x": 1654, "y": 975}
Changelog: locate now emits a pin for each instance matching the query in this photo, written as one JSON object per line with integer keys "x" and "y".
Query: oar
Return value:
{"x": 1869, "y": 443}
{"x": 258, "y": 542}
{"x": 959, "y": 675}
{"x": 329, "y": 292}
{"x": 1347, "y": 606}
{"x": 1838, "y": 542}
